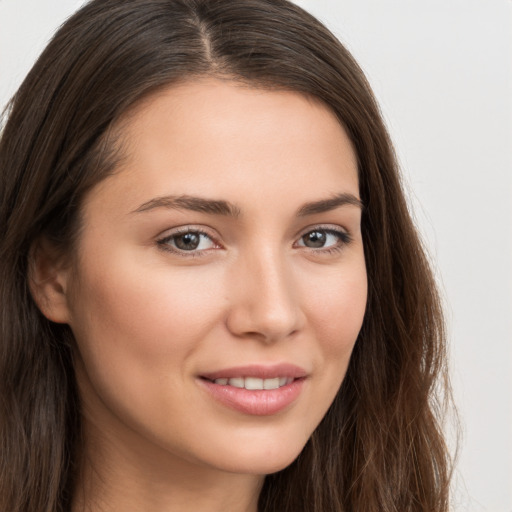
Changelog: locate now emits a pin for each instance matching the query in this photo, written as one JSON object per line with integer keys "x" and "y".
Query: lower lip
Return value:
{"x": 260, "y": 402}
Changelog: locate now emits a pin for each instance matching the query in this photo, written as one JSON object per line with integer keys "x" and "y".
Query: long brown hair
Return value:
{"x": 380, "y": 446}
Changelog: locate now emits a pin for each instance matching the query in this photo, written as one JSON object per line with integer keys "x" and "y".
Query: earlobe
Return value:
{"x": 48, "y": 281}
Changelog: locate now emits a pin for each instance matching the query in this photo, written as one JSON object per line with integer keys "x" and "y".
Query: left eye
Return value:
{"x": 189, "y": 241}
{"x": 321, "y": 239}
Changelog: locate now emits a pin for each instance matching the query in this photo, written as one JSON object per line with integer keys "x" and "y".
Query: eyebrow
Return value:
{"x": 220, "y": 207}
{"x": 326, "y": 205}
{"x": 196, "y": 204}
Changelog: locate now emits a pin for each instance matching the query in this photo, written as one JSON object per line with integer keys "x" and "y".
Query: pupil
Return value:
{"x": 315, "y": 239}
{"x": 187, "y": 242}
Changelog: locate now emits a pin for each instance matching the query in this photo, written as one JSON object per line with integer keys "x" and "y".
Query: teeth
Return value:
{"x": 254, "y": 383}
{"x": 271, "y": 383}
{"x": 237, "y": 382}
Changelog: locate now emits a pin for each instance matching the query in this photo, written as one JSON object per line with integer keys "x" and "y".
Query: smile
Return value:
{"x": 254, "y": 383}
{"x": 256, "y": 390}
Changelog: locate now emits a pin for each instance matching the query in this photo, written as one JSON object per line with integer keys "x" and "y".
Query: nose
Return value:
{"x": 264, "y": 303}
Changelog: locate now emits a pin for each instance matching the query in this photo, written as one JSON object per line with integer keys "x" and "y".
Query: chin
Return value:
{"x": 260, "y": 458}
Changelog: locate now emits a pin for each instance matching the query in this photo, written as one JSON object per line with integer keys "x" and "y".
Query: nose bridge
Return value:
{"x": 265, "y": 302}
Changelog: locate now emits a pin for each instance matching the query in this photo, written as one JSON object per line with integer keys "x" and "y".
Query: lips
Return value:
{"x": 256, "y": 389}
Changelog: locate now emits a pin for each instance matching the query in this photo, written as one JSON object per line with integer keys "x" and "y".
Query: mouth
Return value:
{"x": 256, "y": 390}
{"x": 253, "y": 383}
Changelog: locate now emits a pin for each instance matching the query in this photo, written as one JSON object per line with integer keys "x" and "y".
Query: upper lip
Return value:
{"x": 258, "y": 371}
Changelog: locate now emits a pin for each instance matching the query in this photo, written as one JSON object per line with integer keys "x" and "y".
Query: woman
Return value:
{"x": 213, "y": 296}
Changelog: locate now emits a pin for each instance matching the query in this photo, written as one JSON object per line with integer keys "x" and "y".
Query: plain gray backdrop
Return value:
{"x": 442, "y": 71}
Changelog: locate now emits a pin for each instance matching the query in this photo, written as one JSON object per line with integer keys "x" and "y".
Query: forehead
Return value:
{"x": 221, "y": 138}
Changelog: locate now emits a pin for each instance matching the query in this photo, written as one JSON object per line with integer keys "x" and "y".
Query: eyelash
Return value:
{"x": 344, "y": 239}
{"x": 163, "y": 243}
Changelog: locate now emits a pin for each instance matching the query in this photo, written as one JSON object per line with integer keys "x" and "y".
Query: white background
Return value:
{"x": 442, "y": 71}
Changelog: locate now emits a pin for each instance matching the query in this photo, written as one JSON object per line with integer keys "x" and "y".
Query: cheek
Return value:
{"x": 337, "y": 309}
{"x": 142, "y": 307}
{"x": 138, "y": 328}
{"x": 138, "y": 324}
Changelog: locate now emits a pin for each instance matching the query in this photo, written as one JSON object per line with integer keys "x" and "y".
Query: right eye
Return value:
{"x": 191, "y": 241}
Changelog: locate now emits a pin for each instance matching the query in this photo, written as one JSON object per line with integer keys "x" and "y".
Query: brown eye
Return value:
{"x": 324, "y": 239}
{"x": 188, "y": 241}
{"x": 315, "y": 239}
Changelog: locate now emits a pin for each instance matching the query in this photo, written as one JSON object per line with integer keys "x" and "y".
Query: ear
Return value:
{"x": 48, "y": 279}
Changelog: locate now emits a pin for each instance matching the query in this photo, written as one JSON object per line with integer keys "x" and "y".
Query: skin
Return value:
{"x": 150, "y": 319}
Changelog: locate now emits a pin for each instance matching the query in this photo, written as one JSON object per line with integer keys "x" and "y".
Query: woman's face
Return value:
{"x": 223, "y": 257}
